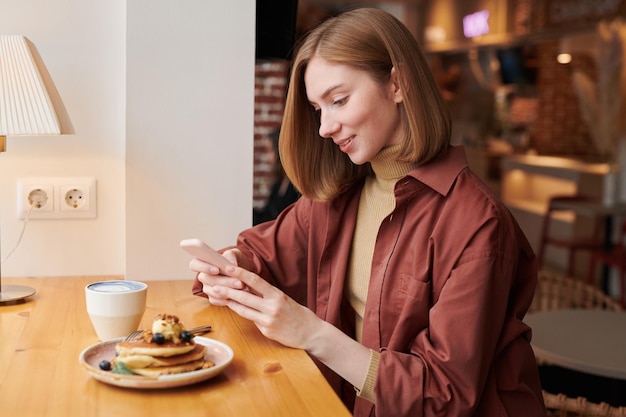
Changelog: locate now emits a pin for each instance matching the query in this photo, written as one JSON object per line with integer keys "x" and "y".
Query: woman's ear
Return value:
{"x": 396, "y": 86}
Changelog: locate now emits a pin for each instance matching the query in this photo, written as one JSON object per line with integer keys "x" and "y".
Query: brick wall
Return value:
{"x": 270, "y": 87}
{"x": 559, "y": 128}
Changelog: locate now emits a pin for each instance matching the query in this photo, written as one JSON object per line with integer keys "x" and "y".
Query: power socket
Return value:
{"x": 56, "y": 197}
{"x": 36, "y": 193}
{"x": 75, "y": 198}
{"x": 39, "y": 199}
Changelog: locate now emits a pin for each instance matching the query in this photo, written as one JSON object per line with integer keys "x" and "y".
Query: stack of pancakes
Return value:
{"x": 173, "y": 355}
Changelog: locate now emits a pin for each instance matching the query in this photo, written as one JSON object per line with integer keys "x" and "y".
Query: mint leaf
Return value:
{"x": 121, "y": 368}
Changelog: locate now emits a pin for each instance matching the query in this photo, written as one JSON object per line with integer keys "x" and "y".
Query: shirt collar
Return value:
{"x": 440, "y": 173}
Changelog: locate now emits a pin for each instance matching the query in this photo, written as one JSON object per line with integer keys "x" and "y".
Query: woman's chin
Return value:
{"x": 358, "y": 159}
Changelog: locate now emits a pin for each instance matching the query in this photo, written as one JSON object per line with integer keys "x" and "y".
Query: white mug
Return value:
{"x": 115, "y": 307}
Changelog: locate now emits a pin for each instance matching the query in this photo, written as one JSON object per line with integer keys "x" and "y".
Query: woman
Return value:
{"x": 415, "y": 277}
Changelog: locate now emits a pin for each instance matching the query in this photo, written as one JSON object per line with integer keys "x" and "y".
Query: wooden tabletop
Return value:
{"x": 41, "y": 340}
{"x": 590, "y": 341}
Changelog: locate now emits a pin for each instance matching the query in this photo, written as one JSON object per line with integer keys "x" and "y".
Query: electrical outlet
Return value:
{"x": 37, "y": 193}
{"x": 57, "y": 197}
{"x": 75, "y": 198}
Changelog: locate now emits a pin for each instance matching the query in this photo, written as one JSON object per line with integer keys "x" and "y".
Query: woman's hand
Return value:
{"x": 276, "y": 315}
{"x": 280, "y": 318}
{"x": 209, "y": 275}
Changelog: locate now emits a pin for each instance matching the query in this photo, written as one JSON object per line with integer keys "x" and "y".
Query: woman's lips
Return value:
{"x": 344, "y": 145}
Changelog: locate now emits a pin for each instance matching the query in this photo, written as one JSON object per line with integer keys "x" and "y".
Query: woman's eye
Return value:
{"x": 339, "y": 102}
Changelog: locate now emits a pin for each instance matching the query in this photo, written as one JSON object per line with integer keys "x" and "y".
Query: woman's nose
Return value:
{"x": 328, "y": 126}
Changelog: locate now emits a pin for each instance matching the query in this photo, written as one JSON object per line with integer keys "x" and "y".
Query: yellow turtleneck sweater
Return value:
{"x": 377, "y": 202}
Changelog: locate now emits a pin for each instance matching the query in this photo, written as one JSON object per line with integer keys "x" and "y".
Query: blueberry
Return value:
{"x": 186, "y": 336}
{"x": 105, "y": 365}
{"x": 158, "y": 338}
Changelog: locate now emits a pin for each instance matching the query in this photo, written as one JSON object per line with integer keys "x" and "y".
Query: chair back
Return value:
{"x": 560, "y": 405}
{"x": 555, "y": 291}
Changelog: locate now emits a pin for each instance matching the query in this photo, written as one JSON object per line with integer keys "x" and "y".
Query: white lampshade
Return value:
{"x": 29, "y": 102}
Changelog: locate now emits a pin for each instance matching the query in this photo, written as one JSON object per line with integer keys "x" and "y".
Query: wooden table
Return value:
{"x": 590, "y": 341}
{"x": 41, "y": 339}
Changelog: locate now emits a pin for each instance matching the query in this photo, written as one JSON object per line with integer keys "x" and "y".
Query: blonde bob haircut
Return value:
{"x": 374, "y": 41}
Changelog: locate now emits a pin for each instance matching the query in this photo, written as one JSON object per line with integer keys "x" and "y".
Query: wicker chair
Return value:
{"x": 555, "y": 291}
{"x": 560, "y": 405}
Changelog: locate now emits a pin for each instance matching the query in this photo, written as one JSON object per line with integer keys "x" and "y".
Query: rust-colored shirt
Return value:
{"x": 452, "y": 277}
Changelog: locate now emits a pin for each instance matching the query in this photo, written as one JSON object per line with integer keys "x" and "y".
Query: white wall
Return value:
{"x": 158, "y": 137}
{"x": 190, "y": 120}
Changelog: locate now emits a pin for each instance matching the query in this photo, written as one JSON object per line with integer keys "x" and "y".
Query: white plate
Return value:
{"x": 219, "y": 353}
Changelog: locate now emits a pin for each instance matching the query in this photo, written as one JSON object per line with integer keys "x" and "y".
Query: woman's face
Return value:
{"x": 358, "y": 113}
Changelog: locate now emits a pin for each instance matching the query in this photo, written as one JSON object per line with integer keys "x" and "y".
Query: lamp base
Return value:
{"x": 11, "y": 293}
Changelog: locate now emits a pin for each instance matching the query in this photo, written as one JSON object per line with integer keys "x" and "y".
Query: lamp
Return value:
{"x": 586, "y": 43}
{"x": 29, "y": 105}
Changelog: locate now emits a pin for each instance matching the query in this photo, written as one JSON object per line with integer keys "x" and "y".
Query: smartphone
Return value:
{"x": 204, "y": 252}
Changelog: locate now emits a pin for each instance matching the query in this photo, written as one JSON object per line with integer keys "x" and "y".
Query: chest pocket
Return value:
{"x": 411, "y": 305}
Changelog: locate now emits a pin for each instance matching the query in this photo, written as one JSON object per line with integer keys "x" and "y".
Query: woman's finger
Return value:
{"x": 251, "y": 280}
{"x": 243, "y": 297}
{"x": 197, "y": 265}
{"x": 232, "y": 255}
{"x": 244, "y": 311}
{"x": 212, "y": 280}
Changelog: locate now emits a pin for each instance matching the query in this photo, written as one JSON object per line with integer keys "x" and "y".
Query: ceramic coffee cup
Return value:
{"x": 115, "y": 307}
